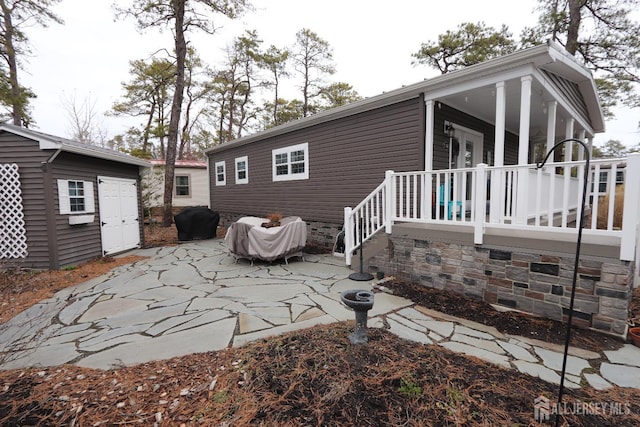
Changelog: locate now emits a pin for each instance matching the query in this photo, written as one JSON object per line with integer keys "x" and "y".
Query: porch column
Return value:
{"x": 523, "y": 149}
{"x": 631, "y": 208}
{"x": 568, "y": 150}
{"x": 497, "y": 176}
{"x": 428, "y": 137}
{"x": 501, "y": 101}
{"x": 427, "y": 186}
{"x": 525, "y": 119}
{"x": 552, "y": 107}
{"x": 581, "y": 137}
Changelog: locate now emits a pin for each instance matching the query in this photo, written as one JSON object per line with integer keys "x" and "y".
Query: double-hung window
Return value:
{"x": 182, "y": 186}
{"x": 242, "y": 170}
{"x": 221, "y": 176}
{"x": 291, "y": 163}
{"x": 75, "y": 196}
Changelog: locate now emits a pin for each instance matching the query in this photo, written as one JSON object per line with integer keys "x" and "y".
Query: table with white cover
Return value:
{"x": 247, "y": 238}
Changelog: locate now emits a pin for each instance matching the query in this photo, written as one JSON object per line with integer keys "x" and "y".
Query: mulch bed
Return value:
{"x": 313, "y": 377}
{"x": 511, "y": 322}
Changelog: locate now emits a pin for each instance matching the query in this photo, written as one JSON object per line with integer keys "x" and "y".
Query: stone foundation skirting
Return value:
{"x": 536, "y": 283}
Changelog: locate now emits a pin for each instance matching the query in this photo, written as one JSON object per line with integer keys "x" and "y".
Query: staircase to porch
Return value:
{"x": 506, "y": 200}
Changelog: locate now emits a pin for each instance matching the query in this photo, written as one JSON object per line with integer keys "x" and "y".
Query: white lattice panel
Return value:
{"x": 13, "y": 235}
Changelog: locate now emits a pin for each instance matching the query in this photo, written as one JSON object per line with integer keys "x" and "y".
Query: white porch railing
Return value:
{"x": 515, "y": 197}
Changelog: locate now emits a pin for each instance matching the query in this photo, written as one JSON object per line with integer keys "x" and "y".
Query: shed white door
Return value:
{"x": 119, "y": 225}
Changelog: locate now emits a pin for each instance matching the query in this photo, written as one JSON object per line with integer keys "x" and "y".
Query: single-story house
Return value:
{"x": 436, "y": 182}
{"x": 190, "y": 186}
{"x": 64, "y": 202}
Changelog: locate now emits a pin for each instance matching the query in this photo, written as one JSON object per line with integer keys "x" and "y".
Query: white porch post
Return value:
{"x": 525, "y": 119}
{"x": 501, "y": 106}
{"x": 389, "y": 202}
{"x": 523, "y": 149}
{"x": 552, "y": 107}
{"x": 427, "y": 187}
{"x": 428, "y": 137}
{"x": 496, "y": 175}
{"x": 481, "y": 203}
{"x": 568, "y": 148}
{"x": 631, "y": 209}
{"x": 581, "y": 137}
{"x": 348, "y": 235}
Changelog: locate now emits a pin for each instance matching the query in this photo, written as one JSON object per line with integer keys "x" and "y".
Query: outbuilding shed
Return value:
{"x": 63, "y": 202}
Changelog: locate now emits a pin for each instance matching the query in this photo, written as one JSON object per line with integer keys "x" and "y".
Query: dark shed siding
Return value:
{"x": 79, "y": 243}
{"x": 347, "y": 160}
{"x": 27, "y": 154}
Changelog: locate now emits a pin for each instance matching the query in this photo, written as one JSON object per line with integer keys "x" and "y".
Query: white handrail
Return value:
{"x": 514, "y": 196}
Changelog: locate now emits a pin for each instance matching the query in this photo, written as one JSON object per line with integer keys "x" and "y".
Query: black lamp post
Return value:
{"x": 575, "y": 265}
{"x": 361, "y": 276}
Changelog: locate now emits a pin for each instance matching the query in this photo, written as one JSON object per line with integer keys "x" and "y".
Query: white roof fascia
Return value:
{"x": 47, "y": 142}
{"x": 476, "y": 83}
{"x": 581, "y": 75}
{"x": 562, "y": 101}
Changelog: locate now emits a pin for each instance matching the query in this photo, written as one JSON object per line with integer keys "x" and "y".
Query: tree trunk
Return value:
{"x": 176, "y": 110}
{"x": 10, "y": 52}
{"x": 145, "y": 136}
{"x": 574, "y": 25}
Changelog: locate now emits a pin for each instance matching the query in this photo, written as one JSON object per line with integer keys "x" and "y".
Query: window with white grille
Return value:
{"x": 75, "y": 197}
{"x": 13, "y": 234}
{"x": 221, "y": 177}
{"x": 291, "y": 163}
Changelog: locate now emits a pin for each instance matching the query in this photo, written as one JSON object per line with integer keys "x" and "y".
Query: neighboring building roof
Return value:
{"x": 51, "y": 142}
{"x": 181, "y": 163}
{"x": 550, "y": 56}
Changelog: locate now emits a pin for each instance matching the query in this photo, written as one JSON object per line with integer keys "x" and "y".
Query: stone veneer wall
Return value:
{"x": 535, "y": 283}
{"x": 318, "y": 233}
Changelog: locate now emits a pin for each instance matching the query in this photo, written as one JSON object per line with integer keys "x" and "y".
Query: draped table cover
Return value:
{"x": 246, "y": 238}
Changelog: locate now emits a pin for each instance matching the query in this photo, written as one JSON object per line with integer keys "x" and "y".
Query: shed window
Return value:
{"x": 220, "y": 173}
{"x": 242, "y": 170}
{"x": 182, "y": 186}
{"x": 291, "y": 163}
{"x": 75, "y": 196}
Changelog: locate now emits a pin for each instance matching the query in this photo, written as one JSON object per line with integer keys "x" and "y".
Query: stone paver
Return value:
{"x": 597, "y": 382}
{"x": 621, "y": 375}
{"x": 627, "y": 355}
{"x": 194, "y": 298}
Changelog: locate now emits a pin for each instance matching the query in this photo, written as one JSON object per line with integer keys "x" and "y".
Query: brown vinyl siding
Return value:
{"x": 51, "y": 241}
{"x": 347, "y": 160}
{"x": 28, "y": 156}
{"x": 78, "y": 243}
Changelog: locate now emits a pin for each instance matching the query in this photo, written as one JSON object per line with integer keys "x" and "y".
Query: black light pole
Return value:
{"x": 361, "y": 276}
{"x": 575, "y": 265}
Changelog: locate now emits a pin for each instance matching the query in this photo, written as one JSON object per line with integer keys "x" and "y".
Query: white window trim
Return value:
{"x": 288, "y": 150}
{"x": 224, "y": 173}
{"x": 175, "y": 187}
{"x": 244, "y": 180}
{"x": 64, "y": 201}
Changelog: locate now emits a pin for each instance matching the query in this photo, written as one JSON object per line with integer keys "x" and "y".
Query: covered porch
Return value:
{"x": 509, "y": 200}
{"x": 483, "y": 220}
{"x": 507, "y": 235}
